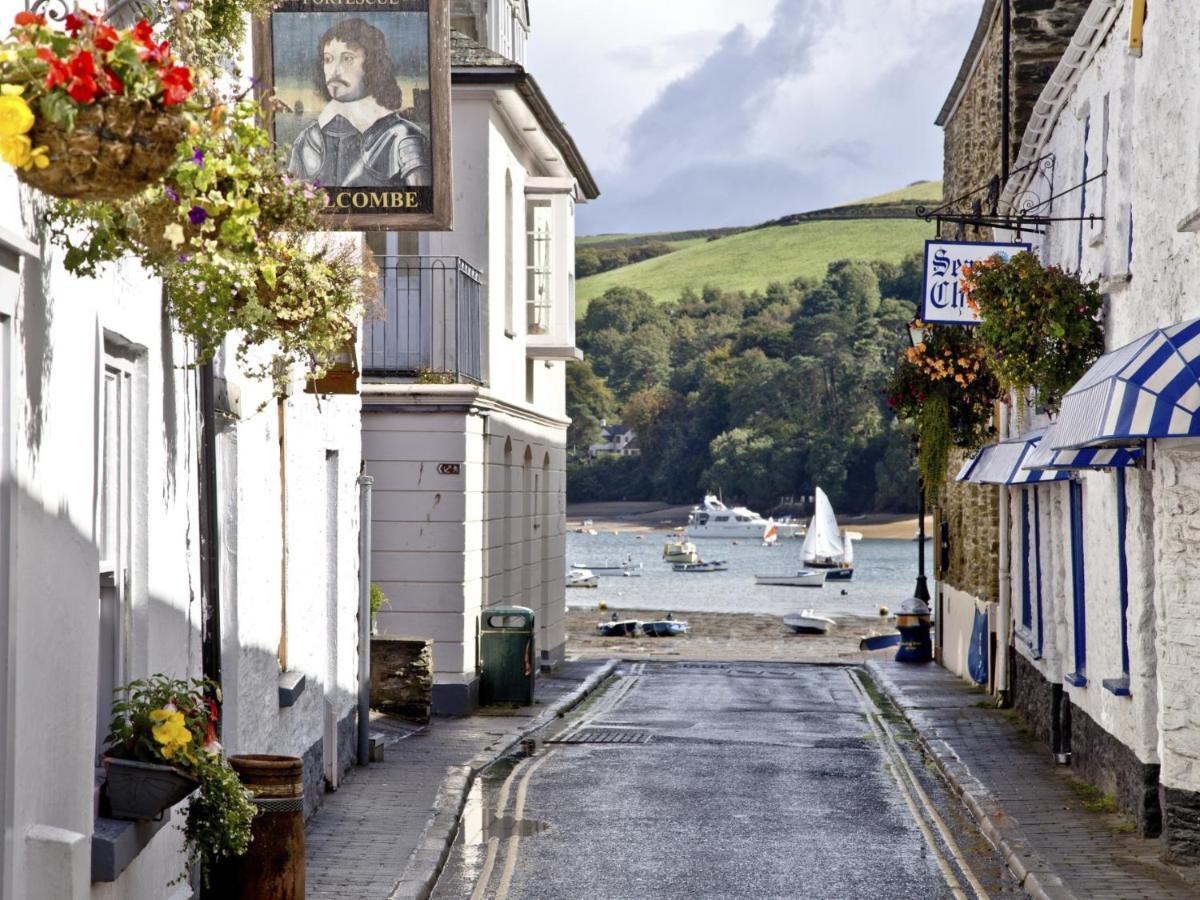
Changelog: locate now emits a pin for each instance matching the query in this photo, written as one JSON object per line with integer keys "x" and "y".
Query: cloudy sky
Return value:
{"x": 703, "y": 113}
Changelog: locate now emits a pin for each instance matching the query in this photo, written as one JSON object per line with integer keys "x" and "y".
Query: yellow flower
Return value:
{"x": 38, "y": 157}
{"x": 15, "y": 149}
{"x": 171, "y": 732}
{"x": 15, "y": 115}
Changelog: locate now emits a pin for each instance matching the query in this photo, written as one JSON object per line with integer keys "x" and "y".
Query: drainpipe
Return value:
{"x": 210, "y": 533}
{"x": 1004, "y": 625}
{"x": 1005, "y": 94}
{"x": 365, "y": 484}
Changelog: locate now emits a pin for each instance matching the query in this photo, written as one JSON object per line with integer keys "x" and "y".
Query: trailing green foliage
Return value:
{"x": 761, "y": 395}
{"x": 1041, "y": 325}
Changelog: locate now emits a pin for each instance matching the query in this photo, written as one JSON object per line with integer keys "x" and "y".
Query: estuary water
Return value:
{"x": 885, "y": 573}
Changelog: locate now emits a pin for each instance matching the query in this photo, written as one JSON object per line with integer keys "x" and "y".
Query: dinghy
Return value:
{"x": 808, "y": 622}
{"x": 800, "y": 579}
{"x": 825, "y": 545}
{"x": 714, "y": 566}
{"x": 665, "y": 628}
{"x": 628, "y": 568}
{"x": 582, "y": 578}
{"x": 619, "y": 628}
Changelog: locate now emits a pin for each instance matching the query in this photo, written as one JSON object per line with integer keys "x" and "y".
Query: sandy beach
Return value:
{"x": 662, "y": 518}
{"x": 723, "y": 636}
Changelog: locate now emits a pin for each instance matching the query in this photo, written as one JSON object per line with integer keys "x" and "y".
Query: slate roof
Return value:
{"x": 464, "y": 51}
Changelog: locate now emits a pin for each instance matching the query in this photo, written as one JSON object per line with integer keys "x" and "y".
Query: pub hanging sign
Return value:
{"x": 362, "y": 106}
{"x": 942, "y": 299}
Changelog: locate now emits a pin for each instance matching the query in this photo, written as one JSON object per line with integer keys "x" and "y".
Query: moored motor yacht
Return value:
{"x": 713, "y": 519}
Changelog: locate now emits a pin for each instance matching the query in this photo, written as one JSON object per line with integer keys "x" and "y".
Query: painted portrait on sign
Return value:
{"x": 356, "y": 108}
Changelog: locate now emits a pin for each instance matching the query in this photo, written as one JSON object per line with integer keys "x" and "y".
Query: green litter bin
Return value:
{"x": 506, "y": 651}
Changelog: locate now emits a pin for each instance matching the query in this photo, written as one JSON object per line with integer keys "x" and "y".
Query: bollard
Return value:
{"x": 913, "y": 624}
{"x": 273, "y": 866}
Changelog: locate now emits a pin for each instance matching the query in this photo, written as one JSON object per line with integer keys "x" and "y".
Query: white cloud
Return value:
{"x": 698, "y": 113}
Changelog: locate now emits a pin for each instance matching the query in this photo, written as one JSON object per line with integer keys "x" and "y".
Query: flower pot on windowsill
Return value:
{"x": 138, "y": 790}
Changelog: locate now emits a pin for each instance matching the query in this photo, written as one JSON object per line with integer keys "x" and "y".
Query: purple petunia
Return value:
{"x": 198, "y": 157}
{"x": 171, "y": 194}
{"x": 197, "y": 215}
{"x": 183, "y": 257}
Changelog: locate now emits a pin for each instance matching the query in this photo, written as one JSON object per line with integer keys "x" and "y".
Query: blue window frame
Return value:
{"x": 1087, "y": 132}
{"x": 1037, "y": 563}
{"x": 1026, "y": 594}
{"x": 1120, "y": 686}
{"x": 1078, "y": 677}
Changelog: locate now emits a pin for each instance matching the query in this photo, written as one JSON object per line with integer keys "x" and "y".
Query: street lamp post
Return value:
{"x": 913, "y": 621}
{"x": 916, "y": 335}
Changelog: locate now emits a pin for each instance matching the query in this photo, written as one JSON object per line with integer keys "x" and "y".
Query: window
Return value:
{"x": 1026, "y": 594}
{"x": 114, "y": 527}
{"x": 539, "y": 268}
{"x": 1083, "y": 192}
{"x": 1079, "y": 625}
{"x": 1037, "y": 569}
{"x": 1120, "y": 686}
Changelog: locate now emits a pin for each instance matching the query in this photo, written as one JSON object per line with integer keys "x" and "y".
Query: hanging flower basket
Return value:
{"x": 116, "y": 148}
{"x": 341, "y": 374}
{"x": 946, "y": 387}
{"x": 1040, "y": 325}
{"x": 90, "y": 112}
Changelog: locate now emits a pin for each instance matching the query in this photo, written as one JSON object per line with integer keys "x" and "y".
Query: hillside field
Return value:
{"x": 753, "y": 259}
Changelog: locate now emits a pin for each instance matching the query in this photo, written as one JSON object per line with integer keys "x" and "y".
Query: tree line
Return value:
{"x": 760, "y": 395}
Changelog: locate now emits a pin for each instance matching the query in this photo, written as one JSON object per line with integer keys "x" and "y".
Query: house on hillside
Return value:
{"x": 1099, "y": 561}
{"x": 615, "y": 440}
{"x": 464, "y": 395}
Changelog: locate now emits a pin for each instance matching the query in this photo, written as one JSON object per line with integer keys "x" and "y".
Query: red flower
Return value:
{"x": 25, "y": 17}
{"x": 57, "y": 72}
{"x": 177, "y": 84}
{"x": 83, "y": 87}
{"x": 105, "y": 37}
{"x": 73, "y": 24}
{"x": 112, "y": 84}
{"x": 143, "y": 33}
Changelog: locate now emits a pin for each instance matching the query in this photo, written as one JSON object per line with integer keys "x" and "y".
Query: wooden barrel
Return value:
{"x": 273, "y": 867}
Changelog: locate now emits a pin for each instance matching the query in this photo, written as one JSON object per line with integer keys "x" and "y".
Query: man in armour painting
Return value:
{"x": 359, "y": 139}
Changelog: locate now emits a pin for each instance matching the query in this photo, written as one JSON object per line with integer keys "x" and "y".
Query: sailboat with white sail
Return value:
{"x": 826, "y": 546}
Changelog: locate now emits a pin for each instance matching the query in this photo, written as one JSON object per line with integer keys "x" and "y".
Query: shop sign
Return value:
{"x": 942, "y": 299}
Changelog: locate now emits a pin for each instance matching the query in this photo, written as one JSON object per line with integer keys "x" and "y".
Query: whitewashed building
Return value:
{"x": 464, "y": 393}
{"x": 1105, "y": 596}
{"x": 615, "y": 440}
{"x": 109, "y": 516}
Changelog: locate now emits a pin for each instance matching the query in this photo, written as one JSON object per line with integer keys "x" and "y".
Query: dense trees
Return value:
{"x": 759, "y": 395}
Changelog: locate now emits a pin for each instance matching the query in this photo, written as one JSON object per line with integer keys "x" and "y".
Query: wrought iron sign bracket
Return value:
{"x": 969, "y": 209}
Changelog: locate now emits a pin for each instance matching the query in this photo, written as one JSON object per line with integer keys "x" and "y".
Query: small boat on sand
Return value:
{"x": 668, "y": 627}
{"x": 808, "y": 622}
{"x": 803, "y": 578}
{"x": 619, "y": 628}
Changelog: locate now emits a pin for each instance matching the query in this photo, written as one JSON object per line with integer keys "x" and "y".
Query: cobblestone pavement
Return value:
{"x": 1025, "y": 800}
{"x": 361, "y": 841}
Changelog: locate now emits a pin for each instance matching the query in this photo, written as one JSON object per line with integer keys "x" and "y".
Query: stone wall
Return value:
{"x": 1042, "y": 30}
{"x": 972, "y": 133}
{"x": 402, "y": 677}
{"x": 1100, "y": 759}
{"x": 1033, "y": 697}
{"x": 972, "y": 512}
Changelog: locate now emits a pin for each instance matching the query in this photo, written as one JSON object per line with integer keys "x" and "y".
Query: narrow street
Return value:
{"x": 687, "y": 780}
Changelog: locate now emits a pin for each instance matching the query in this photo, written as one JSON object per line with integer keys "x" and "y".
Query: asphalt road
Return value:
{"x": 725, "y": 781}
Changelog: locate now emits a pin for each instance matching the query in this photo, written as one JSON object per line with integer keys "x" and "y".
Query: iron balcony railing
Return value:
{"x": 431, "y": 323}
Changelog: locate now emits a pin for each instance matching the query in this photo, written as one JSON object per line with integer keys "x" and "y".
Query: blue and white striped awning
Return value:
{"x": 1045, "y": 458}
{"x": 1147, "y": 389}
{"x": 1004, "y": 463}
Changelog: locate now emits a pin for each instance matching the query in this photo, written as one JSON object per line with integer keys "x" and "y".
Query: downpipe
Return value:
{"x": 365, "y": 485}
{"x": 1004, "y": 614}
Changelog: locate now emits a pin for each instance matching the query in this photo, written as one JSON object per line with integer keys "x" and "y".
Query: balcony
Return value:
{"x": 431, "y": 324}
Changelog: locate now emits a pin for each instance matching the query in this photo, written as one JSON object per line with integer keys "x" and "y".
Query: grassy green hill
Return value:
{"x": 752, "y": 259}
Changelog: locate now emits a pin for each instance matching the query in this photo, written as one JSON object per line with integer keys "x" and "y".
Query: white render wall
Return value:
{"x": 446, "y": 546}
{"x": 58, "y": 334}
{"x": 1154, "y": 179}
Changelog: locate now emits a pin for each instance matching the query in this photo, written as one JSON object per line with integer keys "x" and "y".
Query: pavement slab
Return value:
{"x": 1023, "y": 801}
{"x": 386, "y": 830}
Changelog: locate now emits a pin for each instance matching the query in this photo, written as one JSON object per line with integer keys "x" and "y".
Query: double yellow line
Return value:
{"x": 914, "y": 794}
